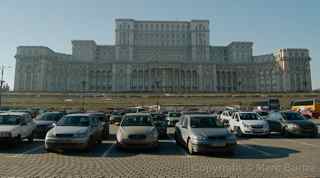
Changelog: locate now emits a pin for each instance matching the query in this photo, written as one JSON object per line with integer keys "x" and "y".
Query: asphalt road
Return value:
{"x": 255, "y": 157}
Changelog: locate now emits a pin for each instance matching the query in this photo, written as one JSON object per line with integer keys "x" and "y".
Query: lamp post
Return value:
{"x": 2, "y": 82}
{"x": 83, "y": 83}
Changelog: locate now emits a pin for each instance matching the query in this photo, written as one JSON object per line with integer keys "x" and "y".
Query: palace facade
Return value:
{"x": 162, "y": 56}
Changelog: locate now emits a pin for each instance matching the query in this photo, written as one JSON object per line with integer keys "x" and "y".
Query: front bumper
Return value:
{"x": 210, "y": 146}
{"x": 59, "y": 143}
{"x": 303, "y": 132}
{"x": 139, "y": 144}
{"x": 257, "y": 132}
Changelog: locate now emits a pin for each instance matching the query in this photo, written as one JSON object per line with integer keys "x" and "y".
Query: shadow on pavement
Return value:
{"x": 25, "y": 148}
{"x": 96, "y": 151}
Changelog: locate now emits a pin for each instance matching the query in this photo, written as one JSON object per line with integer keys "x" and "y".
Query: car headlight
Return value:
{"x": 198, "y": 138}
{"x": 293, "y": 126}
{"x": 50, "y": 133}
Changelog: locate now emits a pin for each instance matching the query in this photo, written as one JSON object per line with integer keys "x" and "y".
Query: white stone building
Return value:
{"x": 167, "y": 56}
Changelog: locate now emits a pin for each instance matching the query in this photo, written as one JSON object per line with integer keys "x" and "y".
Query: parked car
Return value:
{"x": 173, "y": 118}
{"x": 290, "y": 123}
{"x": 137, "y": 131}
{"x": 15, "y": 126}
{"x": 159, "y": 120}
{"x": 116, "y": 117}
{"x": 104, "y": 121}
{"x": 249, "y": 123}
{"x": 204, "y": 133}
{"x": 45, "y": 121}
{"x": 226, "y": 116}
{"x": 74, "y": 131}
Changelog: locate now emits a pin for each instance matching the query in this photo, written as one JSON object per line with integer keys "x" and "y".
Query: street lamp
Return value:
{"x": 83, "y": 83}
{"x": 2, "y": 81}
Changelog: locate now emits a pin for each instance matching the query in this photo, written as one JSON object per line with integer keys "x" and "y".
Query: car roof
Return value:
{"x": 138, "y": 114}
{"x": 14, "y": 113}
{"x": 200, "y": 115}
{"x": 79, "y": 114}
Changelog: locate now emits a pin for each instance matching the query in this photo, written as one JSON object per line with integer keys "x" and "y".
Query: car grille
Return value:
{"x": 64, "y": 135}
{"x": 5, "y": 134}
{"x": 216, "y": 137}
{"x": 137, "y": 137}
{"x": 257, "y": 126}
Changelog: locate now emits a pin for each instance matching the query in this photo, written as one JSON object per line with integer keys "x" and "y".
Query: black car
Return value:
{"x": 45, "y": 122}
{"x": 159, "y": 121}
{"x": 104, "y": 120}
{"x": 290, "y": 123}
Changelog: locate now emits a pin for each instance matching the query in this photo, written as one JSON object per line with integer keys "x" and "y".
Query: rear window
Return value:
{"x": 174, "y": 114}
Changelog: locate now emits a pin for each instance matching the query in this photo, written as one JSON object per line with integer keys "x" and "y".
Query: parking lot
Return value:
{"x": 254, "y": 157}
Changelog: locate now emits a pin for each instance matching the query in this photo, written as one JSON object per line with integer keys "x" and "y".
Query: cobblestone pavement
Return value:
{"x": 255, "y": 157}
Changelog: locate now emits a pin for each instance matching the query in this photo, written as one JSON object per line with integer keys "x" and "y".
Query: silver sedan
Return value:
{"x": 204, "y": 133}
{"x": 74, "y": 131}
{"x": 137, "y": 131}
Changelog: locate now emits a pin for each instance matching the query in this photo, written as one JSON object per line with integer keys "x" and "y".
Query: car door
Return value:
{"x": 184, "y": 129}
{"x": 23, "y": 127}
{"x": 30, "y": 126}
{"x": 274, "y": 121}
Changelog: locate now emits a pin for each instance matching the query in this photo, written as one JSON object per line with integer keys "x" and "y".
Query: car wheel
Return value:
{"x": 239, "y": 132}
{"x": 176, "y": 138}
{"x": 190, "y": 149}
{"x": 18, "y": 140}
{"x": 30, "y": 138}
{"x": 284, "y": 132}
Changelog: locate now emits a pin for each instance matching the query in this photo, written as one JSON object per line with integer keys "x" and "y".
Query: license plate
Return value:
{"x": 218, "y": 144}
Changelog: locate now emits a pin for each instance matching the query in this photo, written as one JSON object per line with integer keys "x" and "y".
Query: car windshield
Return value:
{"x": 82, "y": 121}
{"x": 249, "y": 116}
{"x": 263, "y": 113}
{"x": 174, "y": 114}
{"x": 48, "y": 117}
{"x": 205, "y": 122}
{"x": 137, "y": 121}
{"x": 291, "y": 116}
{"x": 9, "y": 120}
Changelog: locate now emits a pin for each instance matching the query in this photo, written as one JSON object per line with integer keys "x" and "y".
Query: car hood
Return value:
{"x": 7, "y": 128}
{"x": 302, "y": 123}
{"x": 254, "y": 122}
{"x": 69, "y": 129}
{"x": 137, "y": 129}
{"x": 39, "y": 122}
{"x": 210, "y": 132}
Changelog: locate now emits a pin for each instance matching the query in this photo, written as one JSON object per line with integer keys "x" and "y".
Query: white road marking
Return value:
{"x": 257, "y": 150}
{"x": 107, "y": 152}
{"x": 27, "y": 152}
{"x": 302, "y": 143}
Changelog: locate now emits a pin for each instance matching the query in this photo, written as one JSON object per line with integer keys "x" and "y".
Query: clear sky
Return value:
{"x": 270, "y": 24}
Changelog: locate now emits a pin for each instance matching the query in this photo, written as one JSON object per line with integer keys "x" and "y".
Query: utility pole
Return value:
{"x": 2, "y": 82}
{"x": 83, "y": 83}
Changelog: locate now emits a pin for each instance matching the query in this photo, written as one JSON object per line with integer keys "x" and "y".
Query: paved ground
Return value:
{"x": 255, "y": 157}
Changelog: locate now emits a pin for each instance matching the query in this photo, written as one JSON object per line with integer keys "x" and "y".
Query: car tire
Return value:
{"x": 239, "y": 132}
{"x": 31, "y": 137}
{"x": 18, "y": 140}
{"x": 190, "y": 149}
{"x": 284, "y": 132}
{"x": 176, "y": 138}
